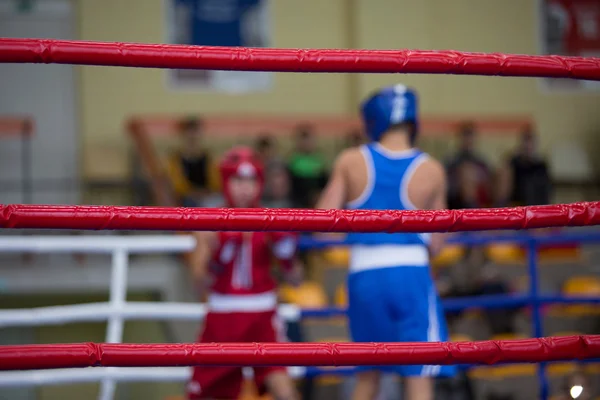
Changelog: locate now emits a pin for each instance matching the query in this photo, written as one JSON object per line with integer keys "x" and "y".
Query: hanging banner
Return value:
{"x": 570, "y": 28}
{"x": 219, "y": 23}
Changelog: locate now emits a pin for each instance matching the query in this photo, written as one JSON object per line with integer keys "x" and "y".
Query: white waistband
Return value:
{"x": 242, "y": 302}
{"x": 386, "y": 256}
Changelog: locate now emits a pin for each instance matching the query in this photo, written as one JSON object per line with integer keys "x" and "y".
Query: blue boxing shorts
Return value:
{"x": 397, "y": 304}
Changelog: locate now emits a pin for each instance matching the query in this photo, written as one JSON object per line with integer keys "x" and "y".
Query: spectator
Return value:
{"x": 278, "y": 187}
{"x": 468, "y": 174}
{"x": 524, "y": 180}
{"x": 491, "y": 283}
{"x": 307, "y": 169}
{"x": 277, "y": 180}
{"x": 354, "y": 138}
{"x": 190, "y": 168}
{"x": 266, "y": 148}
{"x": 474, "y": 276}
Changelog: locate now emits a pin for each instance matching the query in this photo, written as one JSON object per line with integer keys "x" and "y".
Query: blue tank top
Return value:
{"x": 387, "y": 189}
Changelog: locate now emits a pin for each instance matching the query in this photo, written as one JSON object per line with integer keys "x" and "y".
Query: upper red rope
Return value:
{"x": 224, "y": 219}
{"x": 295, "y": 60}
{"x": 293, "y": 354}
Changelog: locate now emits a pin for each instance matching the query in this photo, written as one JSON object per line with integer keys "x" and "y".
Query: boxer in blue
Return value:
{"x": 391, "y": 294}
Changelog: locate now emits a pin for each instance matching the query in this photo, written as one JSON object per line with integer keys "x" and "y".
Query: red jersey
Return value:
{"x": 241, "y": 263}
{"x": 242, "y": 306}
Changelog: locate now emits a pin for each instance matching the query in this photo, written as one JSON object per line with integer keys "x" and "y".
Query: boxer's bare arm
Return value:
{"x": 284, "y": 247}
{"x": 430, "y": 190}
{"x": 201, "y": 255}
{"x": 335, "y": 194}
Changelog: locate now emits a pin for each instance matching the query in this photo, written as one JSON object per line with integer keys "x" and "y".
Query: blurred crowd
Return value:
{"x": 296, "y": 179}
{"x": 292, "y": 181}
{"x": 523, "y": 178}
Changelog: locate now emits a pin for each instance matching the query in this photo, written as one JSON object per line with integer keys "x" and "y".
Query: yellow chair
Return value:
{"x": 559, "y": 254}
{"x": 337, "y": 256}
{"x": 513, "y": 370}
{"x": 504, "y": 253}
{"x": 460, "y": 337}
{"x": 307, "y": 295}
{"x": 508, "y": 336}
{"x": 585, "y": 286}
{"x": 582, "y": 286}
{"x": 449, "y": 255}
{"x": 341, "y": 296}
{"x": 561, "y": 369}
{"x": 592, "y": 369}
{"x": 473, "y": 313}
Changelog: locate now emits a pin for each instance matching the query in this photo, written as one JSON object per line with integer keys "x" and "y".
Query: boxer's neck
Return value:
{"x": 396, "y": 140}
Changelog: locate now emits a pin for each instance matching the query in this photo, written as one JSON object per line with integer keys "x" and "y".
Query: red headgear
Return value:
{"x": 241, "y": 161}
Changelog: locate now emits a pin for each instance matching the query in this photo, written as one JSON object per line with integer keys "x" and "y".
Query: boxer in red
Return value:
{"x": 235, "y": 267}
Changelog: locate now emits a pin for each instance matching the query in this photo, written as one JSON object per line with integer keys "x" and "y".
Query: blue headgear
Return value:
{"x": 388, "y": 107}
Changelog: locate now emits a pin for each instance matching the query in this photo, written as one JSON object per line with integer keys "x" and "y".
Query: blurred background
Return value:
{"x": 126, "y": 136}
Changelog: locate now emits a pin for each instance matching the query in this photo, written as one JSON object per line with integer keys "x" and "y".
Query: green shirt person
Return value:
{"x": 307, "y": 169}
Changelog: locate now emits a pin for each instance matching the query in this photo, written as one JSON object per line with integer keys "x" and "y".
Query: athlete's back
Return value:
{"x": 387, "y": 188}
{"x": 391, "y": 294}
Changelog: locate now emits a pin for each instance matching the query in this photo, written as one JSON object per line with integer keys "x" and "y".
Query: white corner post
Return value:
{"x": 117, "y": 299}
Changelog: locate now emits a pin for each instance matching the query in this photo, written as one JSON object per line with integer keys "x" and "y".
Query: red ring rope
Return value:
{"x": 295, "y": 60}
{"x": 290, "y": 354}
{"x": 223, "y": 219}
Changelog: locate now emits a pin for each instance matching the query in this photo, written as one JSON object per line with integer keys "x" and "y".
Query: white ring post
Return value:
{"x": 117, "y": 299}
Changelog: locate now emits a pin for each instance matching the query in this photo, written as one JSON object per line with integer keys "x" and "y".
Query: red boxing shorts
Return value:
{"x": 226, "y": 382}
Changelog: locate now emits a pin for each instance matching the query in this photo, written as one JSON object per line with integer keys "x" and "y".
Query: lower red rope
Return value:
{"x": 290, "y": 354}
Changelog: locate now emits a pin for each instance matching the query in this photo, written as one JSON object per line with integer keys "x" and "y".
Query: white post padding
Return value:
{"x": 97, "y": 244}
{"x": 132, "y": 310}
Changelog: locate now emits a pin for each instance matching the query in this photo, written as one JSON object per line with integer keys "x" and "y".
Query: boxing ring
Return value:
{"x": 112, "y": 361}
